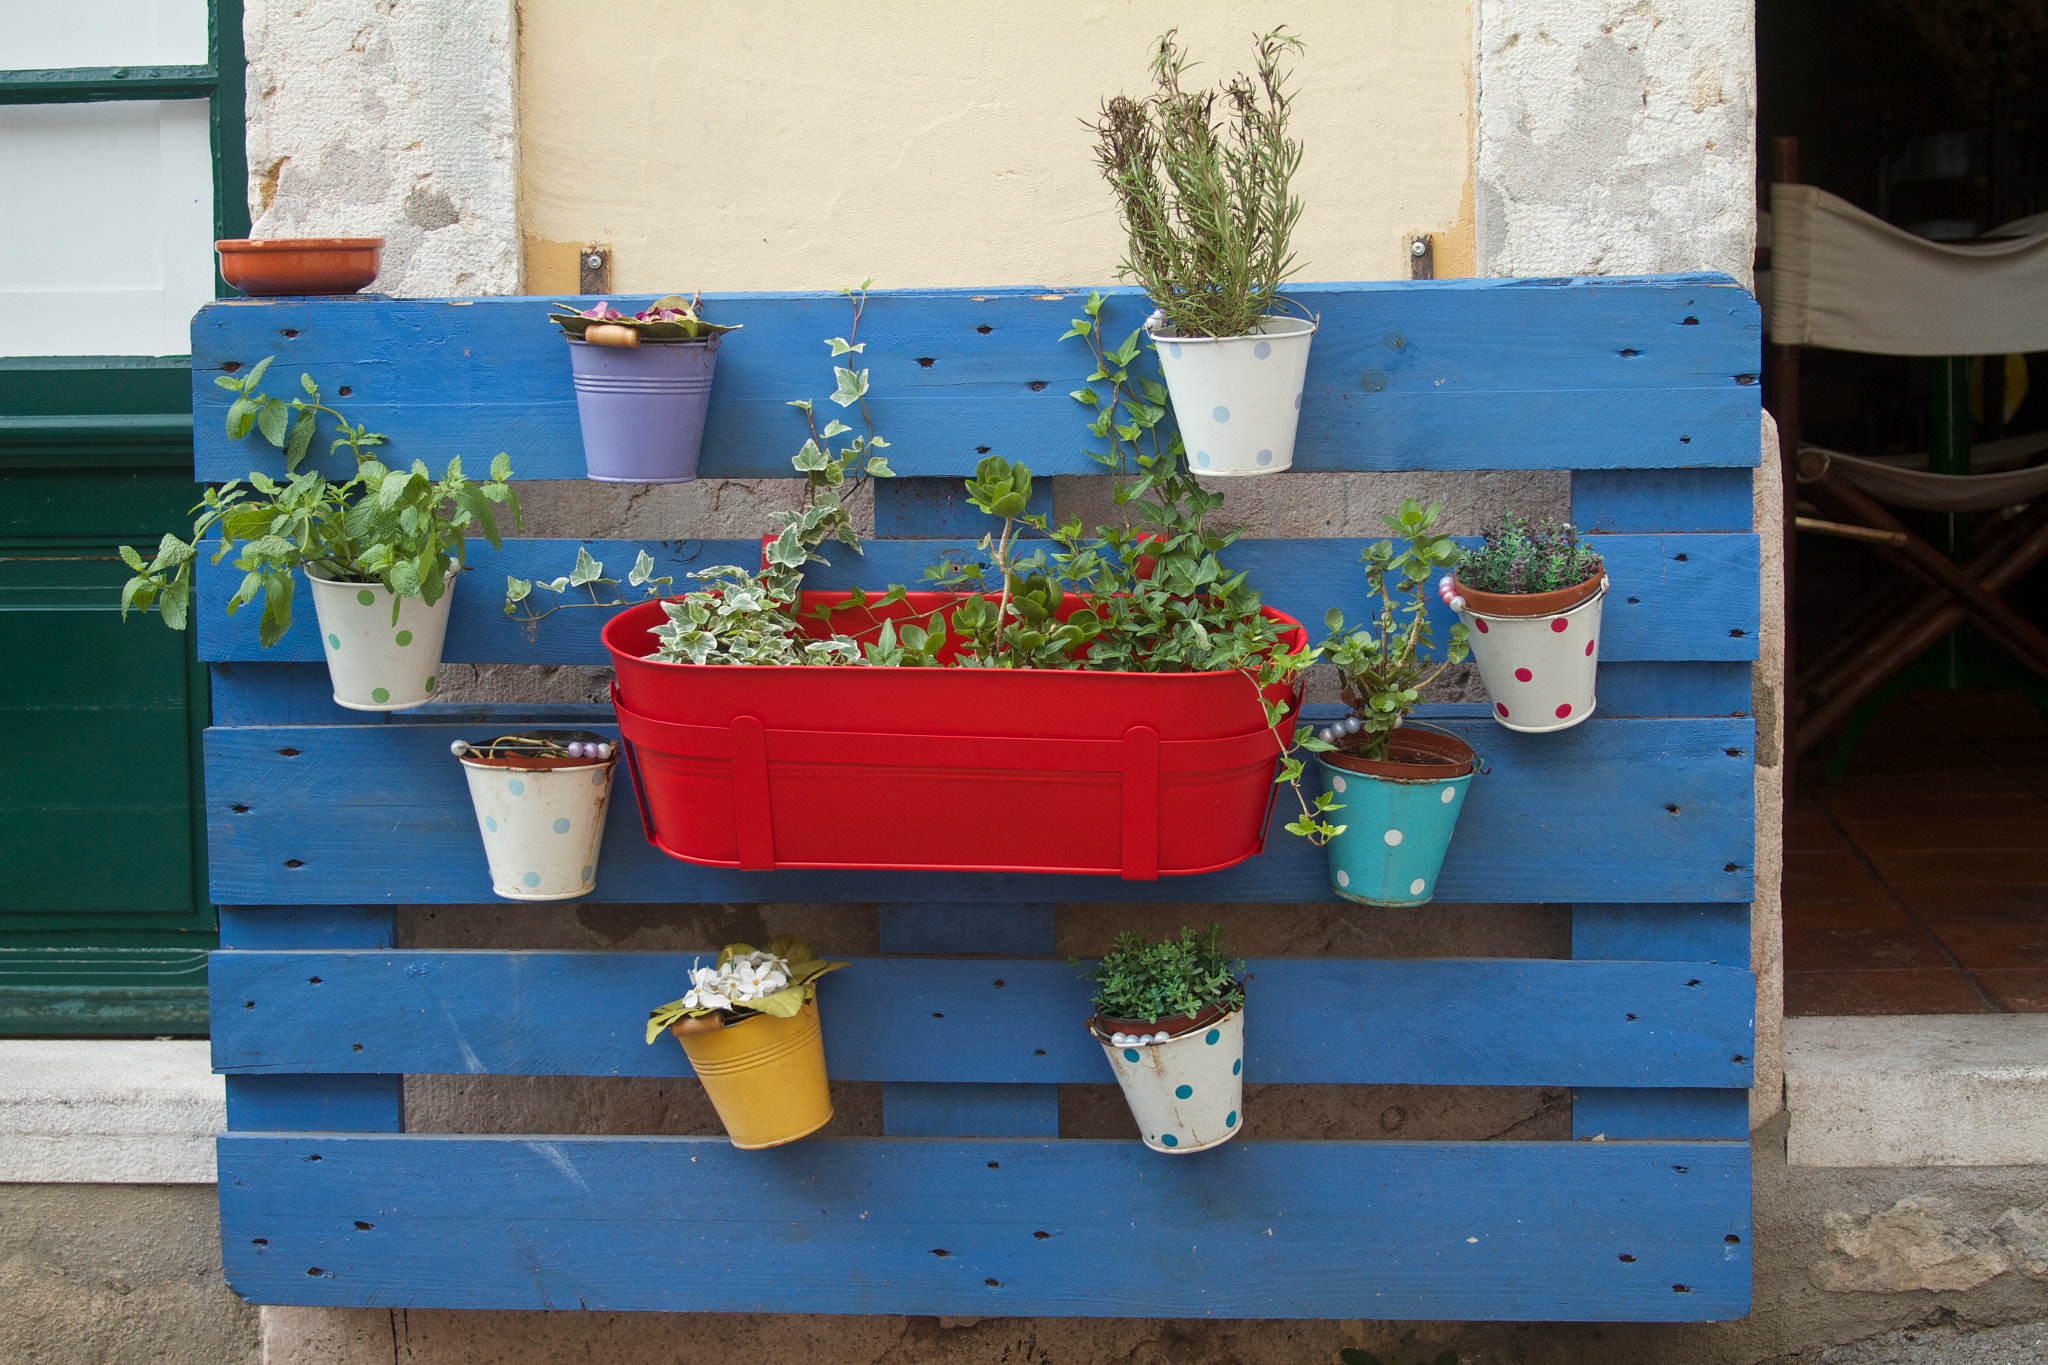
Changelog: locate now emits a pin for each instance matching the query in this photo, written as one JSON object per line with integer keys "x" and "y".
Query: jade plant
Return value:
{"x": 400, "y": 527}
{"x": 1205, "y": 201}
{"x": 1522, "y": 556}
{"x": 1143, "y": 982}
{"x": 779, "y": 980}
{"x": 670, "y": 318}
{"x": 1384, "y": 664}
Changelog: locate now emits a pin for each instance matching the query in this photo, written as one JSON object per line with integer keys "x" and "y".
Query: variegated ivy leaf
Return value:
{"x": 852, "y": 385}
{"x": 810, "y": 458}
{"x": 587, "y": 570}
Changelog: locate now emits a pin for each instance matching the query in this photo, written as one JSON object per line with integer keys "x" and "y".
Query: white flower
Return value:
{"x": 752, "y": 981}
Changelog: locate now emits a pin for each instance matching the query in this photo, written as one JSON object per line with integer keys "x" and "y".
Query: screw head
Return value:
{"x": 1417, "y": 247}
{"x": 594, "y": 261}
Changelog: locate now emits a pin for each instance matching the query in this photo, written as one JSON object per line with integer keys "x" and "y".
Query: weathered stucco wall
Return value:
{"x": 1616, "y": 137}
{"x": 925, "y": 142}
{"x": 395, "y": 120}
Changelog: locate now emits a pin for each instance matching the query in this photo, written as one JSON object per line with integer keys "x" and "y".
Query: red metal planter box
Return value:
{"x": 1138, "y": 775}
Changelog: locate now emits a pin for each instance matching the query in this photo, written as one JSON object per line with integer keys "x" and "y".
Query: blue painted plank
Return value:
{"x": 1669, "y": 500}
{"x": 973, "y": 927}
{"x": 1662, "y": 933}
{"x": 1629, "y": 1115}
{"x": 316, "y": 1104}
{"x": 1650, "y": 687}
{"x": 287, "y": 927}
{"x": 380, "y": 814}
{"x": 1673, "y": 597}
{"x": 367, "y": 1103}
{"x": 1465, "y": 374}
{"x": 963, "y": 1109}
{"x": 271, "y": 691}
{"x": 1491, "y": 1021}
{"x": 1517, "y": 1231}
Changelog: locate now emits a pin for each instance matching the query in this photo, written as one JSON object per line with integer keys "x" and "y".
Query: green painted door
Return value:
{"x": 104, "y": 920}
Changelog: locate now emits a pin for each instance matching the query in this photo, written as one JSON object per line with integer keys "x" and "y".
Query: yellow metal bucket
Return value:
{"x": 765, "y": 1076}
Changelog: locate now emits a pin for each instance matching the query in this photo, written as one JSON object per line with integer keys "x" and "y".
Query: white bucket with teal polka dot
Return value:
{"x": 1396, "y": 831}
{"x": 1540, "y": 669}
{"x": 542, "y": 827}
{"x": 1186, "y": 1093}
{"x": 1238, "y": 399}
{"x": 374, "y": 663}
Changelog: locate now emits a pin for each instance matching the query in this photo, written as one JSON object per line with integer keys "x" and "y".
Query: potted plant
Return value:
{"x": 750, "y": 1028}
{"x": 1207, "y": 210}
{"x": 1108, "y": 715}
{"x": 1399, "y": 786}
{"x": 540, "y": 798}
{"x": 643, "y": 385}
{"x": 379, "y": 550}
{"x": 1531, "y": 596}
{"x": 1170, "y": 1018}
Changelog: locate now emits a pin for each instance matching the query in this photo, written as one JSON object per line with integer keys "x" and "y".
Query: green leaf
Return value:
{"x": 228, "y": 381}
{"x": 312, "y": 389}
{"x": 587, "y": 570}
{"x": 131, "y": 558}
{"x": 803, "y": 403}
{"x": 878, "y": 468}
{"x": 501, "y": 467}
{"x": 517, "y": 589}
{"x": 256, "y": 375}
{"x": 643, "y": 569}
{"x": 852, "y": 385}
{"x": 241, "y": 417}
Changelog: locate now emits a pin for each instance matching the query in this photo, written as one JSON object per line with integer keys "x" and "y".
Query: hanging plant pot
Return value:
{"x": 1539, "y": 653}
{"x": 1398, "y": 816}
{"x": 1238, "y": 399}
{"x": 1186, "y": 1092}
{"x": 374, "y": 664}
{"x": 541, "y": 808}
{"x": 1138, "y": 775}
{"x": 642, "y": 405}
{"x": 765, "y": 1075}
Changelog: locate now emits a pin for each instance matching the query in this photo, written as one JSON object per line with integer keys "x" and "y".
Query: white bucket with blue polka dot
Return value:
{"x": 1238, "y": 399}
{"x": 374, "y": 662}
{"x": 542, "y": 828}
{"x": 1187, "y": 1093}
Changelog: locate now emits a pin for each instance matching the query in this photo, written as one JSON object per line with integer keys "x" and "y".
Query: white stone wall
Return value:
{"x": 395, "y": 119}
{"x": 1616, "y": 137}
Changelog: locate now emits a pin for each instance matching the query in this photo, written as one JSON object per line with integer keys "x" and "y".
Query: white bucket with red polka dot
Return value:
{"x": 1538, "y": 653}
{"x": 1187, "y": 1092}
{"x": 374, "y": 662}
{"x": 1238, "y": 399}
{"x": 542, "y": 827}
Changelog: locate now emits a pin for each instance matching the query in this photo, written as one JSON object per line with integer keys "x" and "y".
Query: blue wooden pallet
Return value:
{"x": 1641, "y": 820}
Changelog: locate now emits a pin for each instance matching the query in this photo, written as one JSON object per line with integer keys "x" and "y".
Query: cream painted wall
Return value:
{"x": 742, "y": 146}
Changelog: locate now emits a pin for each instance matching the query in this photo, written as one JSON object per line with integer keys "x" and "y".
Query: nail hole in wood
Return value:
{"x": 1690, "y": 322}
{"x": 294, "y": 862}
{"x": 1731, "y": 1239}
{"x": 1680, "y": 558}
{"x": 1731, "y": 867}
{"x": 1737, "y": 633}
{"x": 355, "y": 1047}
{"x": 1039, "y": 1052}
{"x": 995, "y": 1165}
{"x": 1682, "y": 1170}
{"x": 361, "y": 1226}
{"x": 231, "y": 366}
{"x": 314, "y": 1157}
{"x": 1739, "y": 1059}
{"x": 1635, "y": 601}
{"x": 1685, "y": 440}
{"x": 315, "y": 1270}
{"x": 291, "y": 331}
{"x": 1038, "y": 386}
{"x": 289, "y": 753}
{"x": 1681, "y": 1289}
{"x": 1745, "y": 379}
{"x": 312, "y": 981}
{"x": 344, "y": 390}
{"x": 1694, "y": 982}
{"x": 239, "y": 810}
{"x": 1672, "y": 809}
{"x": 248, "y": 1004}
{"x": 259, "y": 1241}
{"x": 999, "y": 983}
{"x": 1628, "y": 1258}
{"x": 940, "y": 1251}
{"x": 981, "y": 450}
{"x": 993, "y": 1284}
{"x": 1733, "y": 753}
{"x": 1630, "y": 1017}
{"x": 984, "y": 329}
{"x": 1629, "y": 354}
{"x": 1041, "y": 1236}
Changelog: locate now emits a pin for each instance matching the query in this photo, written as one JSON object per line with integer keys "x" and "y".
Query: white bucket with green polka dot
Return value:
{"x": 1238, "y": 399}
{"x": 1186, "y": 1093}
{"x": 542, "y": 827}
{"x": 374, "y": 663}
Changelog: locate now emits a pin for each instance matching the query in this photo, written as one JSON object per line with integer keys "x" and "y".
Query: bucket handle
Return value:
{"x": 633, "y": 772}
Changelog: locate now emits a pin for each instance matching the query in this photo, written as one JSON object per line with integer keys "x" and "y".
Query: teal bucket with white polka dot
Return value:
{"x": 542, "y": 827}
{"x": 374, "y": 662}
{"x": 1187, "y": 1093}
{"x": 1396, "y": 832}
{"x": 1238, "y": 399}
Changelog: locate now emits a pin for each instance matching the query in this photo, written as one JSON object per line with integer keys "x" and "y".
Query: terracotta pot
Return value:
{"x": 1105, "y": 1026}
{"x": 1397, "y": 817}
{"x": 1527, "y": 603}
{"x": 300, "y": 265}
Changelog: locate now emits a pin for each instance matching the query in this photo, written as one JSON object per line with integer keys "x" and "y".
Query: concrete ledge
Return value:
{"x": 1918, "y": 1090}
{"x": 88, "y": 1111}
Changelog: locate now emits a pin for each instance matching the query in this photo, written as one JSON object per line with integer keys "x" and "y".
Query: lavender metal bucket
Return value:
{"x": 643, "y": 408}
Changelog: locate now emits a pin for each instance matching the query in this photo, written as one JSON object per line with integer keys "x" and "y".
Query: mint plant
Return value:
{"x": 1522, "y": 556}
{"x": 1384, "y": 664}
{"x": 402, "y": 528}
{"x": 1145, "y": 982}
